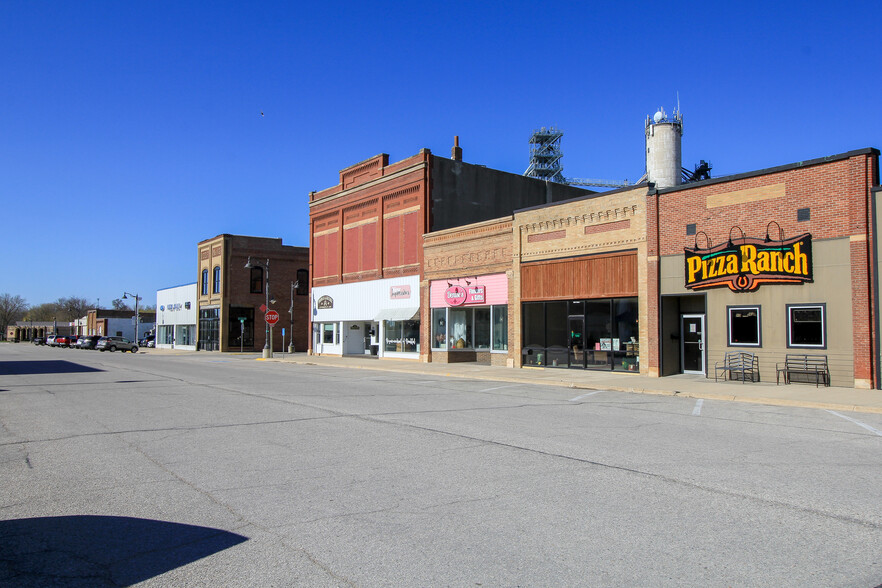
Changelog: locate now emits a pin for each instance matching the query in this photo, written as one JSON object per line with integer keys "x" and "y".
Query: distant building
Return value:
{"x": 176, "y": 317}
{"x": 118, "y": 323}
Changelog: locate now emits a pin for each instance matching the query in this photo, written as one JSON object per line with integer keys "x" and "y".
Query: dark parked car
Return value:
{"x": 147, "y": 341}
{"x": 87, "y": 342}
{"x": 39, "y": 341}
{"x": 116, "y": 344}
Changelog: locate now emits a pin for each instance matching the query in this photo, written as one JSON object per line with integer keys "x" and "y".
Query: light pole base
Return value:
{"x": 291, "y": 348}
{"x": 267, "y": 353}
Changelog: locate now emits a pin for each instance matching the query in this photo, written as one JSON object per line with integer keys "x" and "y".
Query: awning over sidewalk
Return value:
{"x": 398, "y": 314}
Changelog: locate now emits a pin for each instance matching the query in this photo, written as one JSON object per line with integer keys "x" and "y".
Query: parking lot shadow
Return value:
{"x": 101, "y": 551}
{"x": 49, "y": 366}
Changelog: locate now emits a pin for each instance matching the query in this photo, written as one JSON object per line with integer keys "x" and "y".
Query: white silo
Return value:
{"x": 663, "y": 149}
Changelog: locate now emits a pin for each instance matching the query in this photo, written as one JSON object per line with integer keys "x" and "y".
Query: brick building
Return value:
{"x": 774, "y": 261}
{"x": 366, "y": 244}
{"x": 230, "y": 296}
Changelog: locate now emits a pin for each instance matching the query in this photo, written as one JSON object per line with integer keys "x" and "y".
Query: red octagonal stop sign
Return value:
{"x": 272, "y": 317}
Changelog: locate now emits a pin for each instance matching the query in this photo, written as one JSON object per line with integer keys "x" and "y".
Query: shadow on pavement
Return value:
{"x": 100, "y": 551}
{"x": 51, "y": 366}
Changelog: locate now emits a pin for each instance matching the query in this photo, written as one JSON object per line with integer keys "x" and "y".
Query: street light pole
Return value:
{"x": 137, "y": 314}
{"x": 267, "y": 349}
{"x": 291, "y": 312}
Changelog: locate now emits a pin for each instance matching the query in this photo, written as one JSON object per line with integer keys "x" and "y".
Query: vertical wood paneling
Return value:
{"x": 588, "y": 277}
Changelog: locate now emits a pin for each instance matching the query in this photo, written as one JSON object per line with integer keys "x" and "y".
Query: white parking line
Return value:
{"x": 697, "y": 410}
{"x": 499, "y": 388}
{"x": 584, "y": 396}
{"x": 858, "y": 423}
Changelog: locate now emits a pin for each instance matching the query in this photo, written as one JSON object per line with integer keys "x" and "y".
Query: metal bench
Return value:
{"x": 738, "y": 365}
{"x": 810, "y": 366}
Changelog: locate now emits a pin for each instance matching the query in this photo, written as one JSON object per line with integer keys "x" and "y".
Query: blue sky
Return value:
{"x": 133, "y": 130}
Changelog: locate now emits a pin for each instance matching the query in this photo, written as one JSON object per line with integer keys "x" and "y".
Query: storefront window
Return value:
{"x": 328, "y": 332}
{"x": 240, "y": 335}
{"x": 597, "y": 334}
{"x": 500, "y": 328}
{"x": 744, "y": 326}
{"x": 460, "y": 332}
{"x": 482, "y": 328}
{"x": 439, "y": 328}
{"x": 209, "y": 329}
{"x": 402, "y": 336}
{"x": 185, "y": 336}
{"x": 166, "y": 335}
{"x": 806, "y": 326}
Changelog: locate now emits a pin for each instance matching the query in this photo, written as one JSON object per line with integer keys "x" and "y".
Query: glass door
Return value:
{"x": 576, "y": 341}
{"x": 692, "y": 344}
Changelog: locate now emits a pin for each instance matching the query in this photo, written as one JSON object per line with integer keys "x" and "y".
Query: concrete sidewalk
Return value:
{"x": 689, "y": 386}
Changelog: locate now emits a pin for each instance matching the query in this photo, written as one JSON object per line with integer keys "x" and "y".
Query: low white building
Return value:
{"x": 379, "y": 317}
{"x": 176, "y": 317}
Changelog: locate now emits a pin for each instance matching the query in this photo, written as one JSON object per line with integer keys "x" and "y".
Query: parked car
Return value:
{"x": 87, "y": 342}
{"x": 147, "y": 341}
{"x": 39, "y": 341}
{"x": 51, "y": 341}
{"x": 116, "y": 344}
{"x": 65, "y": 340}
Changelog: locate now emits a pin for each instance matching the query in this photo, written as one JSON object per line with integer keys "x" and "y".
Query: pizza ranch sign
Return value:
{"x": 459, "y": 295}
{"x": 743, "y": 267}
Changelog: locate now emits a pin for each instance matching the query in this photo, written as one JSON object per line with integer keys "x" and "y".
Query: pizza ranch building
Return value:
{"x": 774, "y": 262}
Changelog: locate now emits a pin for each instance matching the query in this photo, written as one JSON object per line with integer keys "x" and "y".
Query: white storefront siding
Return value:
{"x": 356, "y": 319}
{"x": 176, "y": 317}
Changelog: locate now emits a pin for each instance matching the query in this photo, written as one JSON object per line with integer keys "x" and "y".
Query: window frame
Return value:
{"x": 789, "y": 318}
{"x": 205, "y": 282}
{"x": 759, "y": 325}
{"x": 255, "y": 285}
{"x": 215, "y": 282}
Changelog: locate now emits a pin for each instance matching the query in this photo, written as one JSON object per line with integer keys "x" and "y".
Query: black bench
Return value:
{"x": 812, "y": 367}
{"x": 738, "y": 365}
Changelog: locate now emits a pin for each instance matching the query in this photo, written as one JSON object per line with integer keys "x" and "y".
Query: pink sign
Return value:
{"x": 399, "y": 292}
{"x": 455, "y": 296}
{"x": 475, "y": 295}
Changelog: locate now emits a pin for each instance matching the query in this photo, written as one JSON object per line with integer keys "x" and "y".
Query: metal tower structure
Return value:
{"x": 545, "y": 155}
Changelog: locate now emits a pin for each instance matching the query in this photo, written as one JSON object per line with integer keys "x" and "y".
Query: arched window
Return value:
{"x": 205, "y": 282}
{"x": 216, "y": 285}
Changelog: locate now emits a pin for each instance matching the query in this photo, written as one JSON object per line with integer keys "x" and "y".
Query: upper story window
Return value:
{"x": 256, "y": 280}
{"x": 205, "y": 282}
{"x": 302, "y": 282}
{"x": 215, "y": 289}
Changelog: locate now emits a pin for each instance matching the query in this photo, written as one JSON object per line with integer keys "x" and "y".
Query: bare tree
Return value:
{"x": 119, "y": 304}
{"x": 12, "y": 308}
{"x": 73, "y": 307}
{"x": 43, "y": 312}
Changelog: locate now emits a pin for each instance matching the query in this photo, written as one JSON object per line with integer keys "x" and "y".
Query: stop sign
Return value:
{"x": 272, "y": 317}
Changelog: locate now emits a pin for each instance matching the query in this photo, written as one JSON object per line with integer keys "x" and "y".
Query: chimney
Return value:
{"x": 456, "y": 152}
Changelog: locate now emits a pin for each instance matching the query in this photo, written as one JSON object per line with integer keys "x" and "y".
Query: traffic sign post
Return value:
{"x": 271, "y": 317}
{"x": 241, "y": 333}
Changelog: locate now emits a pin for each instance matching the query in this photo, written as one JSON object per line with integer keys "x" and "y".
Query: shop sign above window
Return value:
{"x": 399, "y": 292}
{"x": 325, "y": 303}
{"x": 459, "y": 295}
{"x": 743, "y": 264}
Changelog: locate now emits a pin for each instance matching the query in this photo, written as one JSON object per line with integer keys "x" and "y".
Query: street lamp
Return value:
{"x": 294, "y": 285}
{"x": 267, "y": 348}
{"x": 137, "y": 315}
